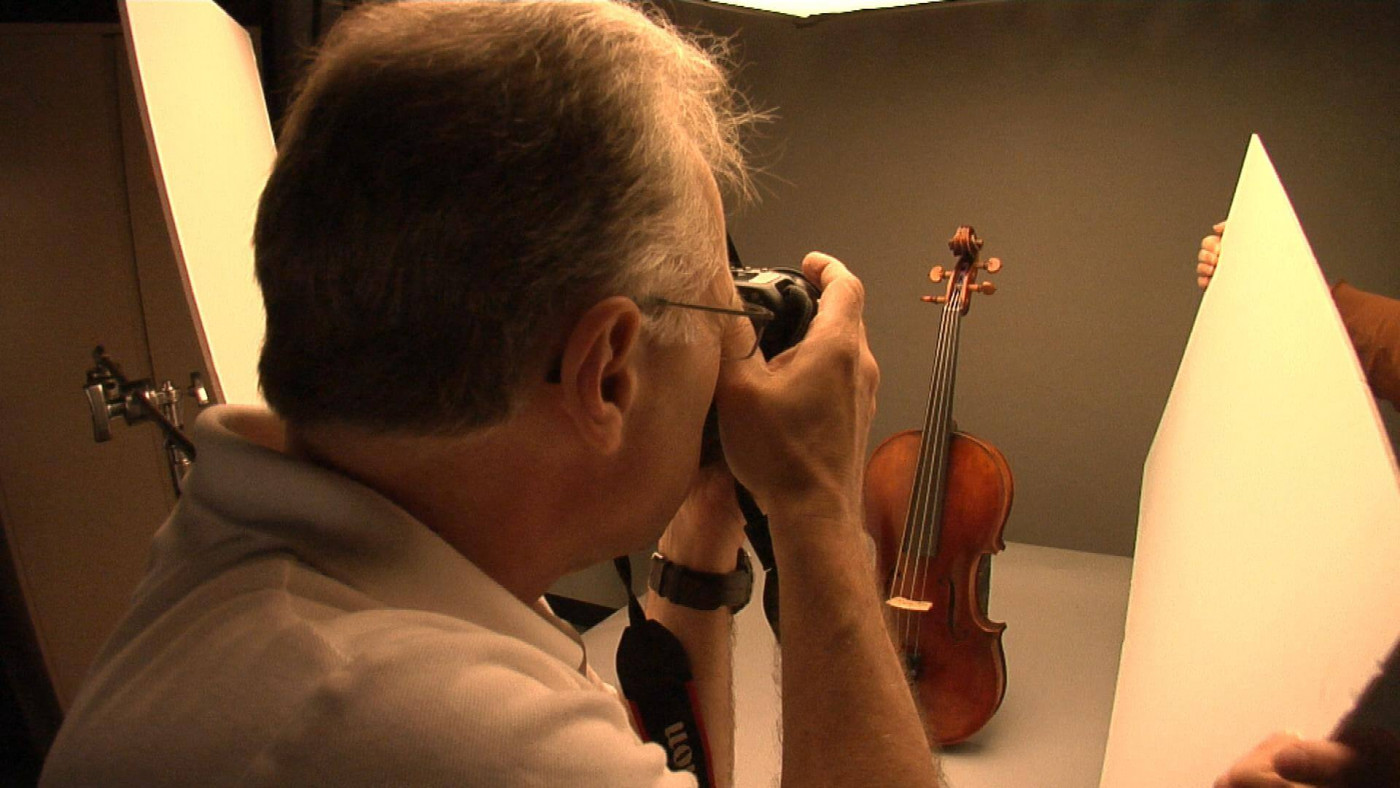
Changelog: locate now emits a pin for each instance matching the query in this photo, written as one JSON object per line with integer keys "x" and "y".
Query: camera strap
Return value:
{"x": 756, "y": 528}
{"x": 654, "y": 673}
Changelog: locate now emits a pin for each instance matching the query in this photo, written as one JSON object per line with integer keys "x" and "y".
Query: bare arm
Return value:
{"x": 795, "y": 433}
{"x": 706, "y": 535}
{"x": 848, "y": 715}
{"x": 1372, "y": 322}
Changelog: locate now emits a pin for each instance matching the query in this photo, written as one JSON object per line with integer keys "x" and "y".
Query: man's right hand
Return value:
{"x": 795, "y": 428}
{"x": 794, "y": 431}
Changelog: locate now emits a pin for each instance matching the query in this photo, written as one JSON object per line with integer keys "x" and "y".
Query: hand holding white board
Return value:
{"x": 1264, "y": 587}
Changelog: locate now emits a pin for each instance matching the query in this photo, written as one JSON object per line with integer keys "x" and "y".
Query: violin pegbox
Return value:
{"x": 966, "y": 246}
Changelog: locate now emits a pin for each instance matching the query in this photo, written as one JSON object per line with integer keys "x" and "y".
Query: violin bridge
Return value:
{"x": 912, "y": 605}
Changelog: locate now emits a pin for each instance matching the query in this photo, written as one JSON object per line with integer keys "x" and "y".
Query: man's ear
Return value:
{"x": 598, "y": 371}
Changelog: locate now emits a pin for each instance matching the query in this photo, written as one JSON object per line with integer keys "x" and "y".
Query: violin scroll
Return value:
{"x": 966, "y": 246}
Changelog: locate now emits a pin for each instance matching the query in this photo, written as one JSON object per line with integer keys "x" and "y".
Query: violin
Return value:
{"x": 936, "y": 501}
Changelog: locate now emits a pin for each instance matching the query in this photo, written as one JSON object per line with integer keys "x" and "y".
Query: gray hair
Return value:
{"x": 457, "y": 182}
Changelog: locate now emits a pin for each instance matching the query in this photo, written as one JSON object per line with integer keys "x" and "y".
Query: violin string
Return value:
{"x": 916, "y": 541}
{"x": 929, "y": 525}
{"x": 901, "y": 580}
{"x": 900, "y": 577}
{"x": 923, "y": 511}
{"x": 921, "y": 519}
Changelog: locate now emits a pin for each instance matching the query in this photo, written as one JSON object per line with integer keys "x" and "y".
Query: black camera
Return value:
{"x": 788, "y": 295}
{"x": 793, "y": 301}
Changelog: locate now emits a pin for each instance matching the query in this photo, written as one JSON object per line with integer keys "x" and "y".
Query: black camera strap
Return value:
{"x": 756, "y": 528}
{"x": 654, "y": 672}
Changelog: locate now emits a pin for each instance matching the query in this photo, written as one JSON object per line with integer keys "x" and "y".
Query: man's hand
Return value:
{"x": 1285, "y": 761}
{"x": 794, "y": 432}
{"x": 1209, "y": 256}
{"x": 795, "y": 428}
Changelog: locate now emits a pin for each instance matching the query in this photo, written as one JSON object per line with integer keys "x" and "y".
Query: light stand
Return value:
{"x": 110, "y": 395}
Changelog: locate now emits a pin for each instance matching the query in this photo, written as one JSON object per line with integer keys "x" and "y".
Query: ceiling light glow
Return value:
{"x": 804, "y": 8}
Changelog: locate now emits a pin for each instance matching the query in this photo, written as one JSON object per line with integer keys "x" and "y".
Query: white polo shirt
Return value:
{"x": 297, "y": 628}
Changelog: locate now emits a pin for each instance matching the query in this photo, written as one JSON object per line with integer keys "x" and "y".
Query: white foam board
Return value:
{"x": 1264, "y": 588}
{"x": 211, "y": 145}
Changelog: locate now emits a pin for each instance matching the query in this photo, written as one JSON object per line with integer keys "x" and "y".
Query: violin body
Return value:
{"x": 936, "y": 501}
{"x": 952, "y": 652}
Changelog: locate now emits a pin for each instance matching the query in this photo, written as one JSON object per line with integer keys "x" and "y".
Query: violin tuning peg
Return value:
{"x": 936, "y": 274}
{"x": 985, "y": 288}
{"x": 992, "y": 265}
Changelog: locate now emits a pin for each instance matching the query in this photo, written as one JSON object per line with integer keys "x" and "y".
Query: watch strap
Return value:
{"x": 699, "y": 590}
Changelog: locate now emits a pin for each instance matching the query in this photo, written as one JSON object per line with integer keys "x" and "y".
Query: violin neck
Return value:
{"x": 922, "y": 525}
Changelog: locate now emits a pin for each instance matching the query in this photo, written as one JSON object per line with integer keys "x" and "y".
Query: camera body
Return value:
{"x": 793, "y": 301}
{"x": 788, "y": 295}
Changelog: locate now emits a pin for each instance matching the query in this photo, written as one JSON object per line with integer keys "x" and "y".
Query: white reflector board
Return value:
{"x": 211, "y": 145}
{"x": 1264, "y": 589}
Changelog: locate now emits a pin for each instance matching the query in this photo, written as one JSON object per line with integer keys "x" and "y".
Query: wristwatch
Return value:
{"x": 702, "y": 590}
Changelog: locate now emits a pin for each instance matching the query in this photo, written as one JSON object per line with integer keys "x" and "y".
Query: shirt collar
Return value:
{"x": 267, "y": 500}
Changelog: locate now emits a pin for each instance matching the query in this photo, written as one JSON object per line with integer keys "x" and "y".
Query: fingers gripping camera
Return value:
{"x": 788, "y": 295}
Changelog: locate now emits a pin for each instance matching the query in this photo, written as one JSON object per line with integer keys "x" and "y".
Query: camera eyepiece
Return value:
{"x": 788, "y": 295}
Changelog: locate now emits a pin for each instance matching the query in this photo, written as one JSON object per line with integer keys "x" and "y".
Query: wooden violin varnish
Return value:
{"x": 936, "y": 501}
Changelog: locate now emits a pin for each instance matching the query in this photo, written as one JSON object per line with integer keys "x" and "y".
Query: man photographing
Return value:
{"x": 480, "y": 250}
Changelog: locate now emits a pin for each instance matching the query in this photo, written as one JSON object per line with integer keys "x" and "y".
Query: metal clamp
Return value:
{"x": 110, "y": 396}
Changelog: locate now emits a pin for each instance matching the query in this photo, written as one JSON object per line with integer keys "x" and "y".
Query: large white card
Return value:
{"x": 1266, "y": 580}
{"x": 207, "y": 128}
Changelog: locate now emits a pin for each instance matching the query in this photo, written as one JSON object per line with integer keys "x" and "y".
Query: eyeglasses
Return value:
{"x": 757, "y": 315}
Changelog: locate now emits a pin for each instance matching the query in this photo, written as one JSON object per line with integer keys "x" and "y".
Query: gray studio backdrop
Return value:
{"x": 1092, "y": 144}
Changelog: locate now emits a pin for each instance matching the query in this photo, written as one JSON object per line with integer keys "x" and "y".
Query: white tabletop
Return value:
{"x": 1064, "y": 612}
